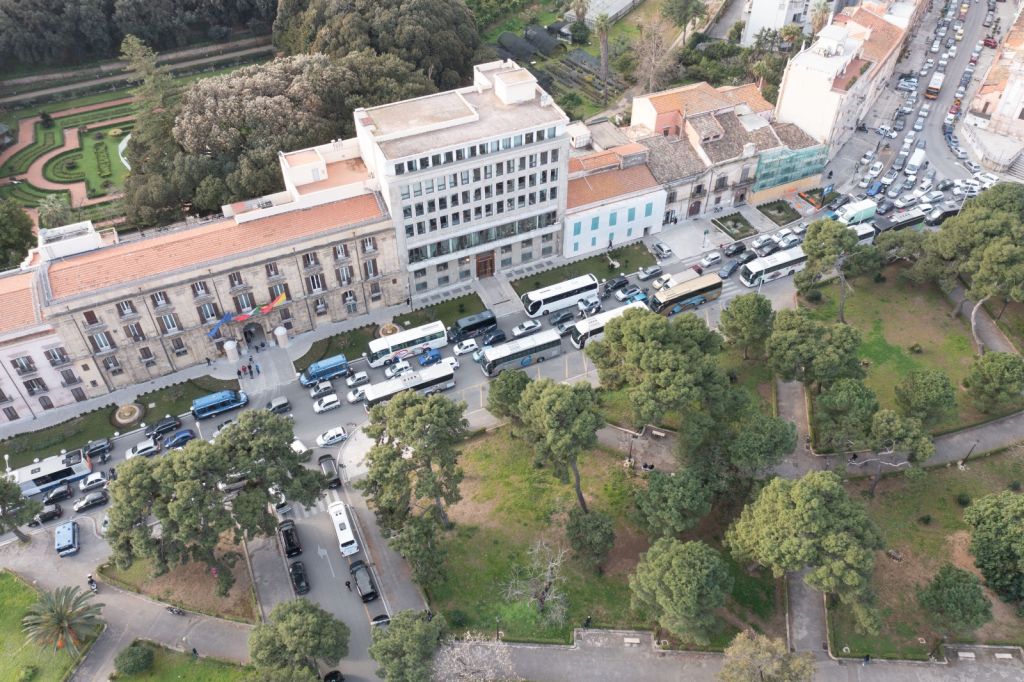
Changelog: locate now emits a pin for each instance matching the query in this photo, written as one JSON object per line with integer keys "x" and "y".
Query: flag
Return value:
{"x": 226, "y": 318}
{"x": 242, "y": 317}
{"x": 281, "y": 298}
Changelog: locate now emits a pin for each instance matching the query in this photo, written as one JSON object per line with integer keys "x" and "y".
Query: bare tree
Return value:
{"x": 579, "y": 8}
{"x": 539, "y": 582}
{"x": 474, "y": 658}
{"x": 652, "y": 53}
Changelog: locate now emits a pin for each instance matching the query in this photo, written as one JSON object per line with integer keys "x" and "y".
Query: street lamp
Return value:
{"x": 497, "y": 621}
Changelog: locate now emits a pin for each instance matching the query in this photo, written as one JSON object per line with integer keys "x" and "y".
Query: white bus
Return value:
{"x": 559, "y": 296}
{"x": 427, "y": 380}
{"x": 343, "y": 521}
{"x": 771, "y": 267}
{"x": 407, "y": 343}
{"x": 39, "y": 477}
{"x": 521, "y": 352}
{"x": 592, "y": 328}
{"x": 865, "y": 232}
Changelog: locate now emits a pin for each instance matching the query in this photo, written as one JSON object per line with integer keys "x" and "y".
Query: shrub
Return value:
{"x": 98, "y": 135}
{"x": 138, "y": 658}
{"x": 879, "y": 277}
{"x": 916, "y": 349}
{"x": 925, "y": 520}
{"x": 457, "y": 618}
{"x": 28, "y": 673}
{"x": 963, "y": 499}
{"x": 1015, "y": 486}
{"x": 813, "y": 296}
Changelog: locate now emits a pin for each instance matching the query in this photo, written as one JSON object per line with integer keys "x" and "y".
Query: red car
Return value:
{"x": 990, "y": 41}
{"x": 955, "y": 109}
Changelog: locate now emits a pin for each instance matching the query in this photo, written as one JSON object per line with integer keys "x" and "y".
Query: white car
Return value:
{"x": 864, "y": 182}
{"x": 923, "y": 188}
{"x": 356, "y": 395}
{"x": 146, "y": 448}
{"x": 397, "y": 369}
{"x": 332, "y": 437}
{"x": 876, "y": 169}
{"x": 710, "y": 259}
{"x": 986, "y": 179}
{"x": 662, "y": 282}
{"x": 525, "y": 328}
{"x": 906, "y": 201}
{"x": 867, "y": 158}
{"x": 971, "y": 166}
{"x": 97, "y": 479}
{"x": 627, "y": 291}
{"x": 464, "y": 347}
{"x": 761, "y": 242}
{"x": 451, "y": 362}
{"x": 327, "y": 403}
{"x": 933, "y": 197}
{"x": 890, "y": 177}
{"x": 357, "y": 379}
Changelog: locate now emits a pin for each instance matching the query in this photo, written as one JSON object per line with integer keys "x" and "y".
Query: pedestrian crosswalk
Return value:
{"x": 328, "y": 498}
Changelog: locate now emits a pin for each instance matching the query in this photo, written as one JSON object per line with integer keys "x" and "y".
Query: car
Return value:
{"x": 944, "y": 185}
{"x": 923, "y": 188}
{"x": 930, "y": 175}
{"x": 746, "y": 257}
{"x": 333, "y": 676}
{"x": 730, "y": 267}
{"x": 904, "y": 86}
{"x": 146, "y": 448}
{"x": 954, "y": 108}
{"x": 470, "y": 345}
{"x": 933, "y": 197}
{"x": 431, "y": 357}
{"x": 357, "y": 379}
{"x": 925, "y": 109}
{"x": 278, "y": 501}
{"x": 789, "y": 241}
{"x": 397, "y": 369}
{"x": 556, "y": 319}
{"x": 949, "y": 120}
{"x": 220, "y": 428}
{"x": 899, "y": 124}
{"x": 279, "y": 405}
{"x": 329, "y": 468}
{"x": 662, "y": 282}
{"x": 99, "y": 449}
{"x": 971, "y": 166}
{"x": 321, "y": 389}
{"x": 800, "y": 229}
{"x": 497, "y": 336}
{"x": 661, "y": 250}
{"x": 986, "y": 178}
{"x": 96, "y": 498}
{"x": 890, "y": 176}
{"x": 734, "y": 249}
{"x": 165, "y": 425}
{"x": 297, "y": 573}
{"x": 589, "y": 306}
{"x": 906, "y": 201}
{"x": 836, "y": 203}
{"x": 356, "y": 395}
{"x": 623, "y": 294}
{"x": 760, "y": 241}
{"x": 363, "y": 581}
{"x": 952, "y": 51}
{"x": 530, "y": 326}
{"x": 332, "y": 437}
{"x": 49, "y": 512}
{"x": 178, "y": 439}
{"x": 766, "y": 250}
{"x": 616, "y": 282}
{"x": 990, "y": 42}
{"x": 867, "y": 158}
{"x": 451, "y": 362}
{"x": 649, "y": 272}
{"x": 326, "y": 404}
{"x": 919, "y": 124}
{"x": 381, "y": 621}
{"x": 959, "y": 153}
{"x": 874, "y": 189}
{"x": 960, "y": 93}
{"x": 289, "y": 536}
{"x": 864, "y": 181}
{"x": 884, "y": 206}
{"x": 566, "y": 327}
{"x": 64, "y": 491}
{"x": 894, "y": 191}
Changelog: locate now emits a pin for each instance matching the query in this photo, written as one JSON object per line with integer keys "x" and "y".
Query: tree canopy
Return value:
{"x": 813, "y": 352}
{"x": 753, "y": 657}
{"x": 996, "y": 380}
{"x": 843, "y": 414}
{"x": 297, "y": 632}
{"x": 747, "y": 320}
{"x": 832, "y": 246}
{"x": 404, "y": 650}
{"x": 672, "y": 503}
{"x": 926, "y": 394}
{"x": 997, "y": 542}
{"x": 16, "y": 235}
{"x": 591, "y": 535}
{"x": 955, "y": 598}
{"x": 15, "y": 509}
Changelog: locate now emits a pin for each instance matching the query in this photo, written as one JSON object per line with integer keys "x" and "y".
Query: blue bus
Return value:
{"x": 324, "y": 370}
{"x": 215, "y": 403}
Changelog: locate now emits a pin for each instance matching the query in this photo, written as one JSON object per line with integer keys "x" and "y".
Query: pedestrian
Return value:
{"x": 348, "y": 584}
{"x": 250, "y": 359}
{"x": 239, "y": 374}
{"x": 248, "y": 370}
{"x": 195, "y": 654}
{"x": 257, "y": 366}
{"x": 208, "y": 362}
{"x": 867, "y": 659}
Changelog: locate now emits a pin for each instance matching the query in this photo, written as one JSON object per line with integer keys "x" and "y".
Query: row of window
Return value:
{"x": 26, "y": 365}
{"x": 478, "y": 174}
{"x": 473, "y": 151}
{"x": 45, "y": 403}
{"x": 613, "y": 219}
{"x": 468, "y": 241}
{"x": 593, "y": 240}
{"x": 521, "y": 184}
{"x": 505, "y": 249}
{"x": 480, "y": 212}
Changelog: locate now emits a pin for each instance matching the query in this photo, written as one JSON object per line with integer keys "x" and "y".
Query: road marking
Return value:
{"x": 325, "y": 555}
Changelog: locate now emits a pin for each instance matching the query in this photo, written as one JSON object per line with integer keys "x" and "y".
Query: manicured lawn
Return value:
{"x": 897, "y": 508}
{"x": 446, "y": 311}
{"x": 352, "y": 344}
{"x": 894, "y": 315}
{"x": 96, "y": 162}
{"x": 19, "y": 655}
{"x": 779, "y": 212}
{"x": 630, "y": 258}
{"x": 173, "y": 666}
{"x": 735, "y": 225}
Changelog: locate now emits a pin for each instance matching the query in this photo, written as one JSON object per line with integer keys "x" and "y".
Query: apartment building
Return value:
{"x": 474, "y": 178}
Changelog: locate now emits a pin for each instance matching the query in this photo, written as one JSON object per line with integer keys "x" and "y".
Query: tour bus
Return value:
{"x": 689, "y": 294}
{"x": 405, "y": 344}
{"x": 865, "y": 233}
{"x": 521, "y": 352}
{"x": 912, "y": 217}
{"x": 592, "y": 328}
{"x": 946, "y": 209}
{"x": 324, "y": 370}
{"x": 215, "y": 403}
{"x": 771, "y": 267}
{"x": 39, "y": 477}
{"x": 559, "y": 296}
{"x": 472, "y": 325}
{"x": 343, "y": 519}
{"x": 427, "y": 380}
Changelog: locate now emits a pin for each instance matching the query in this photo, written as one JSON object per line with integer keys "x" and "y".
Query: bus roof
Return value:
{"x": 516, "y": 345}
{"x": 338, "y": 359}
{"x": 601, "y": 319}
{"x": 567, "y": 284}
{"x": 474, "y": 318}
{"x": 212, "y": 399}
{"x": 776, "y": 258}
{"x": 407, "y": 381}
{"x": 690, "y": 284}
{"x": 436, "y": 326}
{"x": 45, "y": 466}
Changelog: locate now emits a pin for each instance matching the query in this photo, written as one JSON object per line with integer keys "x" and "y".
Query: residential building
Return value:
{"x": 474, "y": 178}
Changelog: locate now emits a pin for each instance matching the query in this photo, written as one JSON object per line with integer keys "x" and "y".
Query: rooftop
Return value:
{"x": 339, "y": 173}
{"x": 16, "y": 301}
{"x": 881, "y": 37}
{"x": 590, "y": 189}
{"x": 200, "y": 246}
{"x": 301, "y": 157}
{"x": 672, "y": 159}
{"x": 699, "y": 98}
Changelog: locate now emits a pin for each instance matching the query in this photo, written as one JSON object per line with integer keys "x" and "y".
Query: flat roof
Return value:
{"x": 301, "y": 157}
{"x": 339, "y": 173}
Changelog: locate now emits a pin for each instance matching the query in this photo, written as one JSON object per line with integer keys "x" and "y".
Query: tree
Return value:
{"x": 995, "y": 380}
{"x": 812, "y": 523}
{"x": 997, "y": 542}
{"x": 747, "y": 320}
{"x": 405, "y": 648}
{"x": 136, "y": 659}
{"x": 681, "y": 584}
{"x": 591, "y": 535}
{"x": 419, "y": 543}
{"x": 474, "y": 658}
{"x": 16, "y": 234}
{"x": 15, "y": 509}
{"x": 812, "y": 352}
{"x": 891, "y": 431}
{"x": 603, "y": 26}
{"x": 63, "y": 619}
{"x": 955, "y": 598}
{"x": 827, "y": 245}
{"x": 538, "y": 582}
{"x": 736, "y": 32}
{"x": 926, "y": 394}
{"x": 672, "y": 503}
{"x": 752, "y": 657}
{"x": 415, "y": 458}
{"x": 792, "y": 34}
{"x": 651, "y": 53}
{"x": 297, "y": 632}
{"x": 682, "y": 13}
{"x": 562, "y": 421}
{"x": 759, "y": 443}
{"x": 819, "y": 16}
{"x": 54, "y": 211}
{"x": 843, "y": 414}
{"x": 505, "y": 392}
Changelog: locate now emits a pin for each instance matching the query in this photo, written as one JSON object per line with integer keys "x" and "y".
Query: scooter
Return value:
{"x": 93, "y": 585}
{"x": 175, "y": 610}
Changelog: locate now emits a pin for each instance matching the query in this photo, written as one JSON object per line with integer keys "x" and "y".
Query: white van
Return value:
{"x": 300, "y": 449}
{"x": 65, "y": 539}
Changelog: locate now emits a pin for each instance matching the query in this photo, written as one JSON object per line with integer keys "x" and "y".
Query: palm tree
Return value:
{"x": 63, "y": 618}
{"x": 819, "y": 16}
{"x": 761, "y": 70}
{"x": 579, "y": 8}
{"x": 602, "y": 25}
{"x": 682, "y": 13}
{"x": 791, "y": 33}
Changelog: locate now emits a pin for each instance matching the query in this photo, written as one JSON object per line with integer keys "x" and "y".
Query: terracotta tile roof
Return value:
{"x": 16, "y": 302}
{"x": 589, "y": 162}
{"x": 596, "y": 187}
{"x": 748, "y": 94}
{"x": 672, "y": 159}
{"x": 194, "y": 247}
{"x": 884, "y": 37}
{"x": 696, "y": 98}
{"x": 735, "y": 136}
{"x": 793, "y": 136}
{"x": 629, "y": 149}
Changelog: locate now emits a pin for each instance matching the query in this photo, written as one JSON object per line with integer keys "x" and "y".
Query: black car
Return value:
{"x": 616, "y": 283}
{"x": 884, "y": 207}
{"x": 165, "y": 425}
{"x": 330, "y": 471}
{"x": 560, "y": 317}
{"x": 363, "y": 580}
{"x": 835, "y": 204}
{"x": 289, "y": 538}
{"x": 726, "y": 270}
{"x": 770, "y": 247}
{"x": 497, "y": 336}
{"x": 944, "y": 185}
{"x": 746, "y": 257}
{"x": 99, "y": 449}
{"x": 297, "y": 572}
{"x": 734, "y": 249}
{"x": 49, "y": 513}
{"x": 97, "y": 498}
{"x": 381, "y": 621}
{"x": 62, "y": 492}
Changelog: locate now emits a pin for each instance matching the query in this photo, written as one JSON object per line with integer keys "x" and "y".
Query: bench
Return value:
{"x": 1004, "y": 657}
{"x": 631, "y": 641}
{"x": 657, "y": 434}
{"x": 965, "y": 655}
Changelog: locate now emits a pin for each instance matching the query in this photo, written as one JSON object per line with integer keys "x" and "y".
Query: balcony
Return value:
{"x": 698, "y": 192}
{"x": 25, "y": 371}
{"x": 98, "y": 325}
{"x": 149, "y": 363}
{"x": 60, "y": 362}
{"x": 202, "y": 297}
{"x": 743, "y": 182}
{"x": 238, "y": 288}
{"x": 37, "y": 391}
{"x": 71, "y": 382}
{"x": 181, "y": 351}
{"x": 5, "y": 398}
{"x": 128, "y": 316}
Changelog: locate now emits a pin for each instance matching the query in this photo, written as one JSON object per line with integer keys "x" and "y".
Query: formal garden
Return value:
{"x": 734, "y": 225}
{"x": 779, "y": 212}
{"x": 96, "y": 161}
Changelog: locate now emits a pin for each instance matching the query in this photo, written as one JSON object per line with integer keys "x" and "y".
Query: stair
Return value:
{"x": 1016, "y": 170}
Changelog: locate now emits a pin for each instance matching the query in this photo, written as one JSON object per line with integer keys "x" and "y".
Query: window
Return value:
{"x": 341, "y": 252}
{"x": 126, "y": 308}
{"x": 576, "y": 227}
{"x": 443, "y": 267}
{"x": 310, "y": 260}
{"x": 23, "y": 365}
{"x": 595, "y": 222}
{"x": 208, "y": 312}
{"x": 90, "y": 318}
{"x": 235, "y": 280}
{"x": 612, "y": 219}
{"x": 35, "y": 386}
{"x": 101, "y": 343}
{"x": 419, "y": 274}
{"x": 199, "y": 289}
{"x": 370, "y": 268}
{"x": 527, "y": 256}
{"x": 243, "y": 302}
{"x": 134, "y": 331}
{"x": 443, "y": 280}
{"x": 46, "y": 403}
{"x": 421, "y": 286}
{"x": 320, "y": 306}
{"x": 546, "y": 251}
{"x": 160, "y": 299}
{"x": 112, "y": 365}
{"x": 369, "y": 244}
{"x": 315, "y": 283}
{"x": 11, "y": 413}
{"x": 168, "y": 323}
{"x": 178, "y": 346}
{"x": 57, "y": 356}
{"x": 279, "y": 289}
{"x": 671, "y": 197}
{"x": 507, "y": 248}
{"x": 272, "y": 270}
{"x": 68, "y": 378}
{"x": 631, "y": 215}
{"x": 506, "y": 262}
{"x": 720, "y": 182}
{"x": 146, "y": 355}
{"x": 375, "y": 291}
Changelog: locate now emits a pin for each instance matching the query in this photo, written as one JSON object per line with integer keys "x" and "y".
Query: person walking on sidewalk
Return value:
{"x": 257, "y": 366}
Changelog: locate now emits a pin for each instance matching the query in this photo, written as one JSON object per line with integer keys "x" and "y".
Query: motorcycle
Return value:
{"x": 175, "y": 610}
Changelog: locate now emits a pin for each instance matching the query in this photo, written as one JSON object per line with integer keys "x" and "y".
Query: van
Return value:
{"x": 65, "y": 539}
{"x": 300, "y": 449}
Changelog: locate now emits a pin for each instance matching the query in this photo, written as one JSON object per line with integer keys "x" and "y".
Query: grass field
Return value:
{"x": 897, "y": 508}
{"x": 353, "y": 344}
{"x": 173, "y": 666}
{"x": 20, "y": 655}
{"x": 630, "y": 259}
{"x": 894, "y": 315}
{"x": 446, "y": 311}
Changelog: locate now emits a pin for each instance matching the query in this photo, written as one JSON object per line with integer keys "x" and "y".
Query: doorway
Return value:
{"x": 694, "y": 209}
{"x": 485, "y": 264}
{"x": 254, "y": 335}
